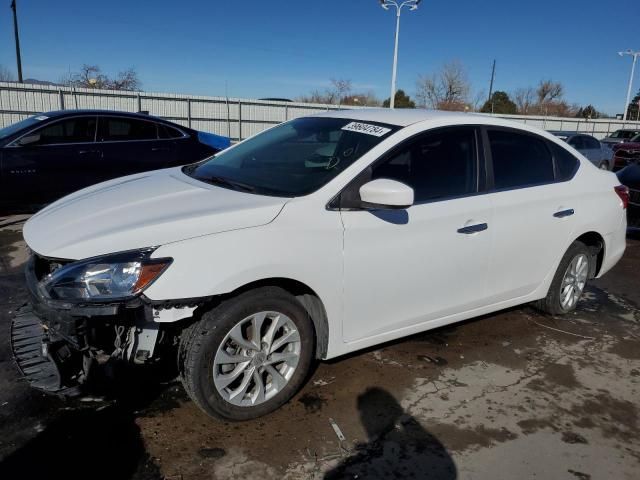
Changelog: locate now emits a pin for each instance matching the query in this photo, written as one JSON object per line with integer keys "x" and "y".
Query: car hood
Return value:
{"x": 143, "y": 210}
{"x": 627, "y": 146}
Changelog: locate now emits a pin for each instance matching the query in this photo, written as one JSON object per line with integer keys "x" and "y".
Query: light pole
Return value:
{"x": 635, "y": 56}
{"x": 413, "y": 5}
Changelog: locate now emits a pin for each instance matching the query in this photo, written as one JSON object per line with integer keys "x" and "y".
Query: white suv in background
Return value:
{"x": 316, "y": 238}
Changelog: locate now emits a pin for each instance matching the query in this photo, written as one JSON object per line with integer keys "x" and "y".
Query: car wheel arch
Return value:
{"x": 309, "y": 299}
{"x": 596, "y": 244}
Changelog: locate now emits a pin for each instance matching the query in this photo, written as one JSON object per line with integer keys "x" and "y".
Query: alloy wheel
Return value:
{"x": 574, "y": 281}
{"x": 256, "y": 359}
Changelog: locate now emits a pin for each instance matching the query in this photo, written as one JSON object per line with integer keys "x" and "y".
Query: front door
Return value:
{"x": 52, "y": 166}
{"x": 403, "y": 268}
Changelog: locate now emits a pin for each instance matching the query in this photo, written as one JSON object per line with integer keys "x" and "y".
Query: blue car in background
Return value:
{"x": 49, "y": 155}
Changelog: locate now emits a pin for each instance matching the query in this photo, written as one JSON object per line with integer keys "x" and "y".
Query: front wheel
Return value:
{"x": 569, "y": 281}
{"x": 248, "y": 356}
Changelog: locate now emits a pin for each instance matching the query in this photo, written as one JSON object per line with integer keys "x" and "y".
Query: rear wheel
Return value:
{"x": 248, "y": 356}
{"x": 569, "y": 281}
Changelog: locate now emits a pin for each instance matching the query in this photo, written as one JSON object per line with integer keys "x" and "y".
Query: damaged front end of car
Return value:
{"x": 85, "y": 318}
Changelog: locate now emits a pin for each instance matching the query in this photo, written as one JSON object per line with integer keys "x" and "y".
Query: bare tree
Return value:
{"x": 447, "y": 89}
{"x": 6, "y": 75}
{"x": 91, "y": 76}
{"x": 339, "y": 89}
{"x": 524, "y": 99}
{"x": 478, "y": 100}
{"x": 548, "y": 91}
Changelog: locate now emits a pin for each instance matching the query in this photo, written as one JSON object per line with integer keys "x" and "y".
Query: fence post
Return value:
{"x": 286, "y": 113}
{"x": 61, "y": 98}
{"x": 239, "y": 120}
{"x": 139, "y": 103}
{"x": 189, "y": 112}
{"x": 228, "y": 119}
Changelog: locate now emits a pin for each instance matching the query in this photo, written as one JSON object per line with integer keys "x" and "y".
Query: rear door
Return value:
{"x": 132, "y": 145}
{"x": 534, "y": 210}
{"x": 403, "y": 268}
{"x": 56, "y": 164}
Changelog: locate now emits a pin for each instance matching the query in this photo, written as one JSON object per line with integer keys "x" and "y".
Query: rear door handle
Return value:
{"x": 480, "y": 227}
{"x": 87, "y": 152}
{"x": 564, "y": 213}
{"x": 159, "y": 149}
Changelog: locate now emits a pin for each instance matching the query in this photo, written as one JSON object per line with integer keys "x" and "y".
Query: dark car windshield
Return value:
{"x": 292, "y": 159}
{"x": 623, "y": 134}
{"x": 16, "y": 127}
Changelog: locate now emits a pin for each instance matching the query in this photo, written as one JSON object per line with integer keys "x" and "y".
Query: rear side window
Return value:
{"x": 436, "y": 165}
{"x": 591, "y": 143}
{"x": 566, "y": 164}
{"x": 72, "y": 130}
{"x": 165, "y": 132}
{"x": 577, "y": 143}
{"x": 126, "y": 129}
{"x": 519, "y": 160}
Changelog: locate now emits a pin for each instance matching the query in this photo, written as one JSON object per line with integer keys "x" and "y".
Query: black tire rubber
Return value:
{"x": 604, "y": 163}
{"x": 551, "y": 303}
{"x": 200, "y": 341}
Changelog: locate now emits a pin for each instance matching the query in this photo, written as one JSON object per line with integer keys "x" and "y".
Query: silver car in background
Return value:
{"x": 599, "y": 154}
{"x": 620, "y": 136}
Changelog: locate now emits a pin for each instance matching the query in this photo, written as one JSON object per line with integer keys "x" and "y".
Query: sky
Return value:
{"x": 283, "y": 48}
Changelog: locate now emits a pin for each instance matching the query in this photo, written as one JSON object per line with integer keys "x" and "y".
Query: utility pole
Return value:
{"x": 493, "y": 75}
{"x": 15, "y": 31}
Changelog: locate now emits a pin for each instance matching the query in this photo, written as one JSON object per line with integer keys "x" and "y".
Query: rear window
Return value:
{"x": 519, "y": 160}
{"x": 126, "y": 129}
{"x": 566, "y": 164}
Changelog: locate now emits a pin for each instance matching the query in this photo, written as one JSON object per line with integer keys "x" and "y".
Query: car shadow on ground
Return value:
{"x": 96, "y": 438}
{"x": 397, "y": 446}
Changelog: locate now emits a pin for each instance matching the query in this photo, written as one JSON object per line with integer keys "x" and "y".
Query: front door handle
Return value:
{"x": 564, "y": 213}
{"x": 480, "y": 227}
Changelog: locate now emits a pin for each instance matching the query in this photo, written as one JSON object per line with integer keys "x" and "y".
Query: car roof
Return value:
{"x": 79, "y": 111}
{"x": 401, "y": 117}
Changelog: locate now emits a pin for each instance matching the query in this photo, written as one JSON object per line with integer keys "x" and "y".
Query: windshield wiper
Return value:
{"x": 231, "y": 183}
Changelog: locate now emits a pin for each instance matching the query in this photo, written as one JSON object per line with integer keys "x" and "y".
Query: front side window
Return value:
{"x": 440, "y": 164}
{"x": 519, "y": 160}
{"x": 72, "y": 130}
{"x": 292, "y": 159}
{"x": 114, "y": 129}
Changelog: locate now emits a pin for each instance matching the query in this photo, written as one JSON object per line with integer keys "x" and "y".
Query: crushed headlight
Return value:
{"x": 110, "y": 277}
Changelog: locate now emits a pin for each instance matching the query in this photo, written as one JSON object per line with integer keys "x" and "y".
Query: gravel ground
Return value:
{"x": 516, "y": 394}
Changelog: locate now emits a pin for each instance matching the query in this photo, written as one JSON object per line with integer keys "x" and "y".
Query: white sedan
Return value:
{"x": 321, "y": 236}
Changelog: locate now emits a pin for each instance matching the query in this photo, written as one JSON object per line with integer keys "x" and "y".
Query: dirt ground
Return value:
{"x": 516, "y": 394}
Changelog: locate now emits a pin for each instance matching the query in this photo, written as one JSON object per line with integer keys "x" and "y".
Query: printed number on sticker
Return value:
{"x": 369, "y": 129}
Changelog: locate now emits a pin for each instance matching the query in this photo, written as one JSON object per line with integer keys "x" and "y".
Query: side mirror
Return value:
{"x": 384, "y": 193}
{"x": 29, "y": 139}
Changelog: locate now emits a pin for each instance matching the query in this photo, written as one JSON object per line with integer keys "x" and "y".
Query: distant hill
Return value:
{"x": 35, "y": 81}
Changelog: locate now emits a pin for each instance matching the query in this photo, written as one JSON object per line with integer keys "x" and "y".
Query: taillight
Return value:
{"x": 623, "y": 193}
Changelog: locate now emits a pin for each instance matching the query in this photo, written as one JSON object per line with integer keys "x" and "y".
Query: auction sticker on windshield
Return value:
{"x": 367, "y": 128}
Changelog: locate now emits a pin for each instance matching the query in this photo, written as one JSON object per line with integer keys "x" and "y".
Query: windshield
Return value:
{"x": 623, "y": 134}
{"x": 636, "y": 139}
{"x": 27, "y": 122}
{"x": 292, "y": 159}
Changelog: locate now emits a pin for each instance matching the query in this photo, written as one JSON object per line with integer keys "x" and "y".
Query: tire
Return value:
{"x": 222, "y": 343}
{"x": 604, "y": 166}
{"x": 553, "y": 302}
